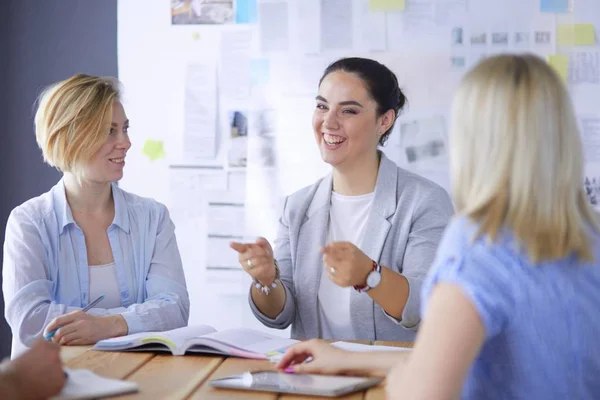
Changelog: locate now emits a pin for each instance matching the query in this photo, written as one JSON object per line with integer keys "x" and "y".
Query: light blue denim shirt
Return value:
{"x": 542, "y": 320}
{"x": 45, "y": 271}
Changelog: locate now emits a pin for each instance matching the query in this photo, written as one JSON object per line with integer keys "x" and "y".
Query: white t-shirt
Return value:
{"x": 103, "y": 280}
{"x": 347, "y": 220}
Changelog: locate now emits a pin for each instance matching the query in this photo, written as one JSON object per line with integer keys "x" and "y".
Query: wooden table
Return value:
{"x": 163, "y": 376}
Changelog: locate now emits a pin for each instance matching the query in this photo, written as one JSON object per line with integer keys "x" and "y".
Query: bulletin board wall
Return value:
{"x": 220, "y": 95}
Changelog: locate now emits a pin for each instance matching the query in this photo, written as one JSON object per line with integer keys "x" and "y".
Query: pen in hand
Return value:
{"x": 49, "y": 335}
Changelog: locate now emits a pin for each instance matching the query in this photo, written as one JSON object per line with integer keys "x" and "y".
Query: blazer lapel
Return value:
{"x": 309, "y": 264}
{"x": 376, "y": 231}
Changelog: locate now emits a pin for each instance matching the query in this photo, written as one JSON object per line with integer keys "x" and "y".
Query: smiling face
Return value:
{"x": 345, "y": 121}
{"x": 108, "y": 162}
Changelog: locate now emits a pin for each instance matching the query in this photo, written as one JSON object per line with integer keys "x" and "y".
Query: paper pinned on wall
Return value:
{"x": 259, "y": 71}
{"x": 219, "y": 256}
{"x": 200, "y": 112}
{"x": 575, "y": 35}
{"x": 584, "y": 68}
{"x": 589, "y": 126}
{"x": 235, "y": 66}
{"x": 449, "y": 11}
{"x": 308, "y": 22}
{"x": 246, "y": 12}
{"x": 560, "y": 63}
{"x": 225, "y": 219}
{"x": 154, "y": 149}
{"x": 372, "y": 35}
{"x": 423, "y": 141}
{"x": 200, "y": 12}
{"x": 555, "y": 6}
{"x": 273, "y": 26}
{"x": 387, "y": 5}
{"x": 190, "y": 189}
{"x": 543, "y": 36}
{"x": 418, "y": 19}
{"x": 336, "y": 25}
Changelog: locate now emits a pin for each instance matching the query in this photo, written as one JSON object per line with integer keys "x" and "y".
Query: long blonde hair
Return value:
{"x": 516, "y": 157}
{"x": 73, "y": 120}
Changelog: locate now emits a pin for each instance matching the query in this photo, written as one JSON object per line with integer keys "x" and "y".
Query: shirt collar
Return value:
{"x": 65, "y": 217}
{"x": 121, "y": 214}
{"x": 61, "y": 206}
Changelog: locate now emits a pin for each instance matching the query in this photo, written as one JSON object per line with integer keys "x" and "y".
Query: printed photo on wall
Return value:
{"x": 592, "y": 190}
{"x": 423, "y": 141}
{"x": 238, "y": 128}
{"x": 457, "y": 35}
{"x": 261, "y": 138}
{"x": 198, "y": 12}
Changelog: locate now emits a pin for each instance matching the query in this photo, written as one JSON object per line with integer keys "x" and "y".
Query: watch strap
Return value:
{"x": 365, "y": 287}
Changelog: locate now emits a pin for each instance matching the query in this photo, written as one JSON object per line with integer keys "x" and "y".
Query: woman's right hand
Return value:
{"x": 257, "y": 260}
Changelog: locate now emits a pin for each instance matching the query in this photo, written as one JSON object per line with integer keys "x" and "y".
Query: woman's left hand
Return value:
{"x": 346, "y": 264}
{"x": 79, "y": 328}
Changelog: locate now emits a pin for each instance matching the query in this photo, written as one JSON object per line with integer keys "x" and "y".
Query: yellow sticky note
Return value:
{"x": 560, "y": 63}
{"x": 576, "y": 35}
{"x": 154, "y": 149}
{"x": 387, "y": 5}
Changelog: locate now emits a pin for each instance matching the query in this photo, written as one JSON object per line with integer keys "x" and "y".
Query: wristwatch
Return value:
{"x": 373, "y": 279}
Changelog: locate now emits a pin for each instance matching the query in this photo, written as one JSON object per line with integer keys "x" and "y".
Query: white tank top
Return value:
{"x": 347, "y": 221}
{"x": 103, "y": 280}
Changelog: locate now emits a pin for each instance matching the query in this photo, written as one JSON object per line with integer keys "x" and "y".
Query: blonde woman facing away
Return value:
{"x": 511, "y": 303}
{"x": 353, "y": 248}
{"x": 86, "y": 236}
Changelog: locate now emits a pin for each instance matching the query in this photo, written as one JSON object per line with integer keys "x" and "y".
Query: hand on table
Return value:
{"x": 79, "y": 328}
{"x": 326, "y": 359}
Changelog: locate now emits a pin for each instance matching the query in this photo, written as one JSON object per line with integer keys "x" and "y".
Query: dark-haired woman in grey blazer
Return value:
{"x": 352, "y": 249}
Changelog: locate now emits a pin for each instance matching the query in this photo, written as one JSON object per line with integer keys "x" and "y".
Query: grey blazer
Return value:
{"x": 406, "y": 222}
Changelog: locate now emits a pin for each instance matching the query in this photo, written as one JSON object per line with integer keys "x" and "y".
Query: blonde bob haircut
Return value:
{"x": 516, "y": 158}
{"x": 73, "y": 120}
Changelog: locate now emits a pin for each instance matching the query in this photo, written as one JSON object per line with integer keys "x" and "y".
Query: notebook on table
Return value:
{"x": 84, "y": 384}
{"x": 238, "y": 342}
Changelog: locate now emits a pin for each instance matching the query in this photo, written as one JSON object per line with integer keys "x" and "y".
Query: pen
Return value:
{"x": 49, "y": 335}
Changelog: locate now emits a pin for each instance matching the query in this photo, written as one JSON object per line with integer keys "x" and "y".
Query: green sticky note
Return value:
{"x": 154, "y": 149}
{"x": 387, "y": 5}
{"x": 576, "y": 35}
{"x": 560, "y": 63}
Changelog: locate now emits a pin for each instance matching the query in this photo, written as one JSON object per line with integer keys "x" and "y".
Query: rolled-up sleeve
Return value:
{"x": 283, "y": 256}
{"x": 167, "y": 304}
{"x": 428, "y": 224}
{"x": 26, "y": 282}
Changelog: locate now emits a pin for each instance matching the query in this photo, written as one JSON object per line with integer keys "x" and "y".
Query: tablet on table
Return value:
{"x": 280, "y": 382}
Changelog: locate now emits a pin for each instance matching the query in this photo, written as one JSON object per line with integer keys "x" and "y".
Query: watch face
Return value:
{"x": 373, "y": 279}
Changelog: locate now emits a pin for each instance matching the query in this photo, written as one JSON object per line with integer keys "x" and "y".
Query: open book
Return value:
{"x": 239, "y": 342}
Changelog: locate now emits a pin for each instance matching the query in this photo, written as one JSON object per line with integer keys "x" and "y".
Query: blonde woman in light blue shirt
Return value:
{"x": 87, "y": 236}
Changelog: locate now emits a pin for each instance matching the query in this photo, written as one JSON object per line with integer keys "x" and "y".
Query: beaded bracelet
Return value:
{"x": 266, "y": 289}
